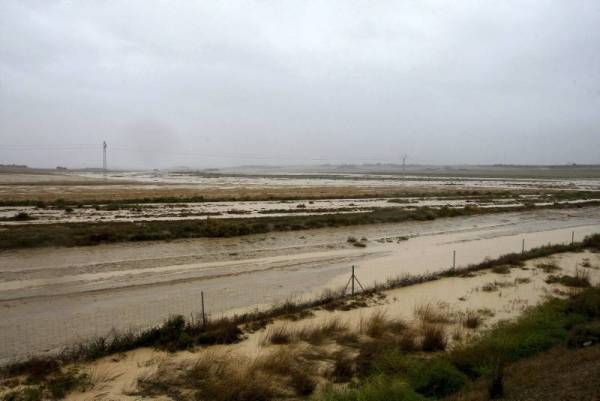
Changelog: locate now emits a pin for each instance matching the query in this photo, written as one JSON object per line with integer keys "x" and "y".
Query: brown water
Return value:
{"x": 53, "y": 297}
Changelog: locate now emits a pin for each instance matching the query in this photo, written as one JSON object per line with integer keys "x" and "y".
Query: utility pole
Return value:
{"x": 104, "y": 146}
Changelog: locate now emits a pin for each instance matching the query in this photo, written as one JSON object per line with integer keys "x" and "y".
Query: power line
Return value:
{"x": 162, "y": 152}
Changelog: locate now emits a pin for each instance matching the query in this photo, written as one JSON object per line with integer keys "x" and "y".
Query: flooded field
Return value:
{"x": 9, "y": 215}
{"x": 343, "y": 180}
{"x": 138, "y": 185}
{"x": 71, "y": 294}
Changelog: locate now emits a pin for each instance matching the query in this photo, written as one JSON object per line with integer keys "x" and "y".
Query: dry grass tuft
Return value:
{"x": 292, "y": 364}
{"x": 434, "y": 338}
{"x": 496, "y": 285}
{"x": 278, "y": 335}
{"x": 548, "y": 267}
{"x": 330, "y": 330}
{"x": 343, "y": 367}
{"x": 283, "y": 361}
{"x": 581, "y": 279}
{"x": 502, "y": 269}
{"x": 215, "y": 377}
{"x": 438, "y": 313}
{"x": 327, "y": 331}
{"x": 377, "y": 325}
{"x": 522, "y": 280}
{"x": 408, "y": 341}
{"x": 472, "y": 320}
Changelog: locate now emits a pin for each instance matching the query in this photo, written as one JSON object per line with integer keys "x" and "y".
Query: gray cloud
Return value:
{"x": 255, "y": 82}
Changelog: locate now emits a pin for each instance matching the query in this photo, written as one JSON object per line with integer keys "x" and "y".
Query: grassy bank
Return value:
{"x": 81, "y": 234}
{"x": 393, "y": 374}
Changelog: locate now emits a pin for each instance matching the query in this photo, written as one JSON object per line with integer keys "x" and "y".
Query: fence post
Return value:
{"x": 203, "y": 314}
{"x": 352, "y": 280}
{"x": 350, "y": 283}
{"x": 523, "y": 246}
{"x": 454, "y": 259}
{"x": 572, "y": 237}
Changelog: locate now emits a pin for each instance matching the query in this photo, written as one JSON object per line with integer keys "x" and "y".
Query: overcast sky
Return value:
{"x": 216, "y": 83}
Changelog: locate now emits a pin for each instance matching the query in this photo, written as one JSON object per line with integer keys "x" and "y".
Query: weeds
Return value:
{"x": 502, "y": 269}
{"x": 439, "y": 313}
{"x": 343, "y": 367}
{"x": 278, "y": 335}
{"x": 434, "y": 338}
{"x": 496, "y": 285}
{"x": 388, "y": 373}
{"x": 377, "y": 325}
{"x": 580, "y": 279}
{"x": 548, "y": 267}
{"x": 314, "y": 335}
{"x": 223, "y": 377}
{"x": 317, "y": 334}
{"x": 472, "y": 320}
{"x": 377, "y": 388}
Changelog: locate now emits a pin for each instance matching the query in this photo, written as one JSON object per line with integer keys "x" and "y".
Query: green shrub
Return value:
{"x": 434, "y": 338}
{"x": 435, "y": 378}
{"x": 586, "y": 303}
{"x": 584, "y": 334}
{"x": 62, "y": 383}
{"x": 377, "y": 388}
{"x": 537, "y": 330}
{"x": 592, "y": 241}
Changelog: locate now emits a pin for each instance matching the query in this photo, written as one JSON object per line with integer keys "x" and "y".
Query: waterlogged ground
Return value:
{"x": 77, "y": 187}
{"x": 53, "y": 297}
{"x": 241, "y": 209}
{"x": 304, "y": 180}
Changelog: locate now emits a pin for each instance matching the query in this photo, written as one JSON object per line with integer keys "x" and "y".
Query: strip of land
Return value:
{"x": 81, "y": 234}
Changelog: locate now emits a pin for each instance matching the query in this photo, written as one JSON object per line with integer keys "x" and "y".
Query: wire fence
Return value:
{"x": 37, "y": 333}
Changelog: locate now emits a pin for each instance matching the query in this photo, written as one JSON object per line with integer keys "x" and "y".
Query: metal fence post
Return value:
{"x": 203, "y": 314}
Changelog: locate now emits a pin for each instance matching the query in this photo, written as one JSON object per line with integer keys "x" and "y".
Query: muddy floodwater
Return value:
{"x": 53, "y": 297}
